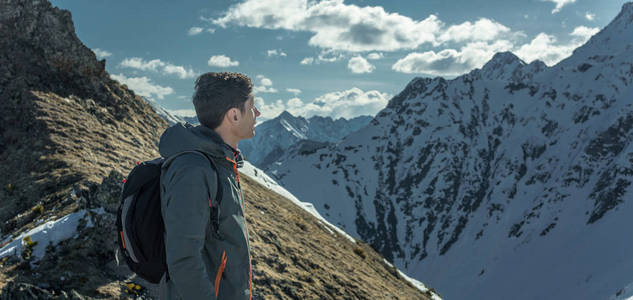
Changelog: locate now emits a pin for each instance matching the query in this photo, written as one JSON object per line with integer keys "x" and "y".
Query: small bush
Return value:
{"x": 28, "y": 248}
{"x": 360, "y": 252}
{"x": 38, "y": 209}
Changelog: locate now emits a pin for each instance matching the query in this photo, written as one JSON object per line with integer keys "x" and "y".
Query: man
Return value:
{"x": 206, "y": 238}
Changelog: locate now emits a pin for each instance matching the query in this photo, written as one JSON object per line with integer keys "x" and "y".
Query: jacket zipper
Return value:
{"x": 250, "y": 267}
{"x": 218, "y": 277}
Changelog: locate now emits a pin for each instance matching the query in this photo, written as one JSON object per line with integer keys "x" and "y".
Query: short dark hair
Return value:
{"x": 216, "y": 93}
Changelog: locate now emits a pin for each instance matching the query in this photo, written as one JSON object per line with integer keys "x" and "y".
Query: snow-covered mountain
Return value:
{"x": 274, "y": 137}
{"x": 163, "y": 113}
{"x": 510, "y": 182}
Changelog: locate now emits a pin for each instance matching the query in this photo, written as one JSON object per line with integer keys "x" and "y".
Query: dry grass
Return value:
{"x": 296, "y": 257}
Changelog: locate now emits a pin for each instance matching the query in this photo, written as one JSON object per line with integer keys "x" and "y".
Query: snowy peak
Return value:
{"x": 163, "y": 113}
{"x": 276, "y": 136}
{"x": 626, "y": 15}
{"x": 285, "y": 115}
{"x": 501, "y": 60}
{"x": 612, "y": 41}
{"x": 502, "y": 66}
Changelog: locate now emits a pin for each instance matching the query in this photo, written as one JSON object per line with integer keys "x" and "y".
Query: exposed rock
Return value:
{"x": 64, "y": 122}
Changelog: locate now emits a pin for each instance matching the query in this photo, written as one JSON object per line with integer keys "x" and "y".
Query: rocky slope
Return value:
{"x": 69, "y": 133}
{"x": 63, "y": 121}
{"x": 510, "y": 182}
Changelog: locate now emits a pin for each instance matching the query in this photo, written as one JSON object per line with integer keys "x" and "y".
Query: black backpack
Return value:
{"x": 140, "y": 223}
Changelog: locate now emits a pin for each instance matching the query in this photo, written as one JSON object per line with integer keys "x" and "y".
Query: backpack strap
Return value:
{"x": 214, "y": 216}
{"x": 218, "y": 197}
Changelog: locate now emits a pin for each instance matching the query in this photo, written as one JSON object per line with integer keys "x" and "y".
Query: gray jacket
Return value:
{"x": 206, "y": 240}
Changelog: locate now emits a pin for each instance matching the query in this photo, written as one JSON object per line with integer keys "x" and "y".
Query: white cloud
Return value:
{"x": 482, "y": 30}
{"x": 584, "y": 33}
{"x": 589, "y": 16}
{"x": 450, "y": 62}
{"x": 180, "y": 71}
{"x": 545, "y": 47}
{"x": 140, "y": 64}
{"x": 560, "y": 4}
{"x": 307, "y": 61}
{"x": 295, "y": 103}
{"x": 276, "y": 52}
{"x": 265, "y": 85}
{"x": 195, "y": 30}
{"x": 360, "y": 65}
{"x": 269, "y": 111}
{"x": 330, "y": 56}
{"x": 335, "y": 25}
{"x": 211, "y": 30}
{"x": 143, "y": 86}
{"x": 157, "y": 65}
{"x": 344, "y": 104}
{"x": 182, "y": 112}
{"x": 374, "y": 55}
{"x": 294, "y": 91}
{"x": 222, "y": 61}
{"x": 101, "y": 53}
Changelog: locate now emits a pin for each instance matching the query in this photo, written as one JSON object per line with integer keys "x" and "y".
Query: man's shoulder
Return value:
{"x": 193, "y": 161}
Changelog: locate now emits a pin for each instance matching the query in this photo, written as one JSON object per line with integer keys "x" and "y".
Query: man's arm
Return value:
{"x": 186, "y": 214}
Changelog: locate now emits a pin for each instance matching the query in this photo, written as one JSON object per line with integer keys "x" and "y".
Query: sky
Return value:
{"x": 329, "y": 58}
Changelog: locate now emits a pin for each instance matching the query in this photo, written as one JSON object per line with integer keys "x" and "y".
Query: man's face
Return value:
{"x": 247, "y": 121}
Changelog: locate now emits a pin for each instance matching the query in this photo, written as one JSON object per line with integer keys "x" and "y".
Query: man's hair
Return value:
{"x": 216, "y": 93}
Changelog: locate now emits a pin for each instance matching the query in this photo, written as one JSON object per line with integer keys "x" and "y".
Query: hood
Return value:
{"x": 185, "y": 137}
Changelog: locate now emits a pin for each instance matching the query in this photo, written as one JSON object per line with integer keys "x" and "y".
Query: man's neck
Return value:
{"x": 227, "y": 137}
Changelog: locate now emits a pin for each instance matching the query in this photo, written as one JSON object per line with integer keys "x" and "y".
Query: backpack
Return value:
{"x": 140, "y": 223}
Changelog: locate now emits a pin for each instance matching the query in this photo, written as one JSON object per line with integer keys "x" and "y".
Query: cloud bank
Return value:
{"x": 342, "y": 104}
{"x": 156, "y": 65}
{"x": 144, "y": 86}
{"x": 222, "y": 61}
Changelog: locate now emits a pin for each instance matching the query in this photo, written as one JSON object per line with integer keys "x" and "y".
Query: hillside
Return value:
{"x": 69, "y": 133}
{"x": 63, "y": 123}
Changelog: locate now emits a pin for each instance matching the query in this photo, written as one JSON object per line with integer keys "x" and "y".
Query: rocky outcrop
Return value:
{"x": 63, "y": 121}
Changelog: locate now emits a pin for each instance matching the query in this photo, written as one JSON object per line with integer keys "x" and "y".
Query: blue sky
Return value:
{"x": 330, "y": 58}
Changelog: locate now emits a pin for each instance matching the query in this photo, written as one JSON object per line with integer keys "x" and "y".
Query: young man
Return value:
{"x": 206, "y": 238}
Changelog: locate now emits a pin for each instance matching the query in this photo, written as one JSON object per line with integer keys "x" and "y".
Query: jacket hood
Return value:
{"x": 185, "y": 137}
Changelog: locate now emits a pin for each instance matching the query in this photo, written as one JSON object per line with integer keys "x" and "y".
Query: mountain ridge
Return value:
{"x": 274, "y": 137}
{"x": 493, "y": 165}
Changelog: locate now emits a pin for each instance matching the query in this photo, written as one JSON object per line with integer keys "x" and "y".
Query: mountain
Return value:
{"x": 68, "y": 133}
{"x": 164, "y": 114}
{"x": 510, "y": 182}
{"x": 63, "y": 123}
{"x": 191, "y": 120}
{"x": 274, "y": 137}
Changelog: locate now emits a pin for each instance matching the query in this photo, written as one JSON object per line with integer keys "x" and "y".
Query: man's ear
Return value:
{"x": 232, "y": 115}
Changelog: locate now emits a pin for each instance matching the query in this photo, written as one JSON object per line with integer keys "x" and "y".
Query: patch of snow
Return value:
{"x": 49, "y": 232}
{"x": 419, "y": 285}
{"x": 263, "y": 179}
{"x": 98, "y": 211}
{"x": 625, "y": 293}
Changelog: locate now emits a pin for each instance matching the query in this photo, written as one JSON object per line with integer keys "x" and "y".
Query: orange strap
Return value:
{"x": 237, "y": 175}
{"x": 218, "y": 277}
{"x": 122, "y": 240}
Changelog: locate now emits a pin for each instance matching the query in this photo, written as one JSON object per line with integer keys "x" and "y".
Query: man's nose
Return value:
{"x": 257, "y": 113}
